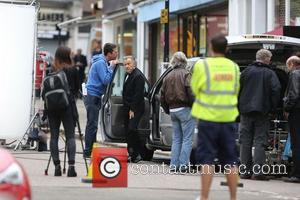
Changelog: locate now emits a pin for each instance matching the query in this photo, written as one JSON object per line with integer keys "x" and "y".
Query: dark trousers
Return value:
{"x": 254, "y": 130}
{"x": 92, "y": 105}
{"x": 134, "y": 142}
{"x": 294, "y": 123}
{"x": 67, "y": 119}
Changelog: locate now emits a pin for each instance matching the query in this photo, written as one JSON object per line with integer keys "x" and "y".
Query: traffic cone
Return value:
{"x": 89, "y": 177}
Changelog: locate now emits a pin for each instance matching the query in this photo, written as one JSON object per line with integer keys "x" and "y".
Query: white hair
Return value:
{"x": 263, "y": 55}
{"x": 179, "y": 60}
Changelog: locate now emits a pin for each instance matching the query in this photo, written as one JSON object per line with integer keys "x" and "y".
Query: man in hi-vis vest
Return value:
{"x": 215, "y": 83}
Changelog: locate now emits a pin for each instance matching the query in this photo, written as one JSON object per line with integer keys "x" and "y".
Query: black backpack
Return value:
{"x": 56, "y": 91}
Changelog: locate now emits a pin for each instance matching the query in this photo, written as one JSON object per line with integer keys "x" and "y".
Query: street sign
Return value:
{"x": 164, "y": 16}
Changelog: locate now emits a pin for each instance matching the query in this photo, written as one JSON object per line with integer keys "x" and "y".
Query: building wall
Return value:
{"x": 261, "y": 16}
{"x": 53, "y": 12}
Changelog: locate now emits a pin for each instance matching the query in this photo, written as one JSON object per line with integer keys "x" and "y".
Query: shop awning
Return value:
{"x": 276, "y": 31}
{"x": 79, "y": 21}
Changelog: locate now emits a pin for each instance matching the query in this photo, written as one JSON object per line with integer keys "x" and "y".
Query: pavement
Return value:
{"x": 148, "y": 184}
{"x": 143, "y": 185}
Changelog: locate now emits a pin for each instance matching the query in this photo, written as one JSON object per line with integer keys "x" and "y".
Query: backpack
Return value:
{"x": 56, "y": 91}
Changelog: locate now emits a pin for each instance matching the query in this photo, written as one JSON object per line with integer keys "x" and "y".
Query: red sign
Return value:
{"x": 109, "y": 167}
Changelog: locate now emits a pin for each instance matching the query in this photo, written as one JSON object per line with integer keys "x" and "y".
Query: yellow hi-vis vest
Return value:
{"x": 215, "y": 83}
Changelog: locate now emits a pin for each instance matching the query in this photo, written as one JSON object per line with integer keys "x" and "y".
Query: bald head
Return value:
{"x": 293, "y": 63}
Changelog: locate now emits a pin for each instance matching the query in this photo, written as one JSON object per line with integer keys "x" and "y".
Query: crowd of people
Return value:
{"x": 212, "y": 97}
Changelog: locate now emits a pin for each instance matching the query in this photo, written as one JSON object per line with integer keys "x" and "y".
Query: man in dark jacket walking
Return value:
{"x": 133, "y": 100}
{"x": 259, "y": 95}
{"x": 177, "y": 98}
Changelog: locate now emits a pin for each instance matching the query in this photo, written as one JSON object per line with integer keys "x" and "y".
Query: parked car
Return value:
{"x": 155, "y": 127}
{"x": 14, "y": 184}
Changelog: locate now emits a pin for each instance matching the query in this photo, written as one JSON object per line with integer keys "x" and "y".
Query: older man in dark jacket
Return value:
{"x": 133, "y": 100}
{"x": 177, "y": 98}
{"x": 292, "y": 107}
{"x": 259, "y": 95}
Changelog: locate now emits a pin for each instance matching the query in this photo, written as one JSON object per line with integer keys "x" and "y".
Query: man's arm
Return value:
{"x": 138, "y": 96}
{"x": 196, "y": 81}
{"x": 275, "y": 90}
{"x": 188, "y": 90}
{"x": 104, "y": 72}
{"x": 293, "y": 93}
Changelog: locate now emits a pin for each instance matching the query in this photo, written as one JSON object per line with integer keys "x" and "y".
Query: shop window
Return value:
{"x": 295, "y": 13}
{"x": 173, "y": 37}
{"x": 129, "y": 37}
{"x": 196, "y": 31}
{"x": 279, "y": 13}
{"x": 202, "y": 36}
{"x": 216, "y": 25}
{"x": 188, "y": 32}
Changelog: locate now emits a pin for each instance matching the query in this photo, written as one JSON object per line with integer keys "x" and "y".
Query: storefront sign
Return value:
{"x": 164, "y": 16}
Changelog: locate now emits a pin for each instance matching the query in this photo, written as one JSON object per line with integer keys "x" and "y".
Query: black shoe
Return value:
{"x": 71, "y": 172}
{"x": 245, "y": 176}
{"x": 57, "y": 171}
{"x": 260, "y": 178}
{"x": 292, "y": 179}
{"x": 136, "y": 159}
{"x": 86, "y": 156}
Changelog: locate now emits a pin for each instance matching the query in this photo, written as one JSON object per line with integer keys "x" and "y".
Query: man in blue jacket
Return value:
{"x": 99, "y": 76}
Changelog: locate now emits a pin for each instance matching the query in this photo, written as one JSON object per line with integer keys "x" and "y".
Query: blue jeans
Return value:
{"x": 92, "y": 105}
{"x": 183, "y": 127}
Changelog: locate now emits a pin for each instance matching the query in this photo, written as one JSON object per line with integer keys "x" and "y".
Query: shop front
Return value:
{"x": 189, "y": 31}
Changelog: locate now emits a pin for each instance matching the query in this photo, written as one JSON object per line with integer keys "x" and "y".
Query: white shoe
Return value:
{"x": 198, "y": 198}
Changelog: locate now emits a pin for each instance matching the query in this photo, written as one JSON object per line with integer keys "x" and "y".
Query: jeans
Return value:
{"x": 254, "y": 130}
{"x": 66, "y": 117}
{"x": 183, "y": 127}
{"x": 92, "y": 105}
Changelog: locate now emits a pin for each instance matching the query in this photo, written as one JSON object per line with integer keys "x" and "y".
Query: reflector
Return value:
{"x": 17, "y": 43}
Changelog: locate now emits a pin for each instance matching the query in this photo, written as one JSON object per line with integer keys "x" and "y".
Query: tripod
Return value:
{"x": 35, "y": 120}
{"x": 65, "y": 151}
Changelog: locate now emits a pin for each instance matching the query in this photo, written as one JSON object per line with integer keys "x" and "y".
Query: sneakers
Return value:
{"x": 57, "y": 171}
{"x": 136, "y": 159}
{"x": 71, "y": 171}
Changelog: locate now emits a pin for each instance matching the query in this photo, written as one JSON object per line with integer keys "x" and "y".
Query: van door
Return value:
{"x": 112, "y": 110}
{"x": 161, "y": 131}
